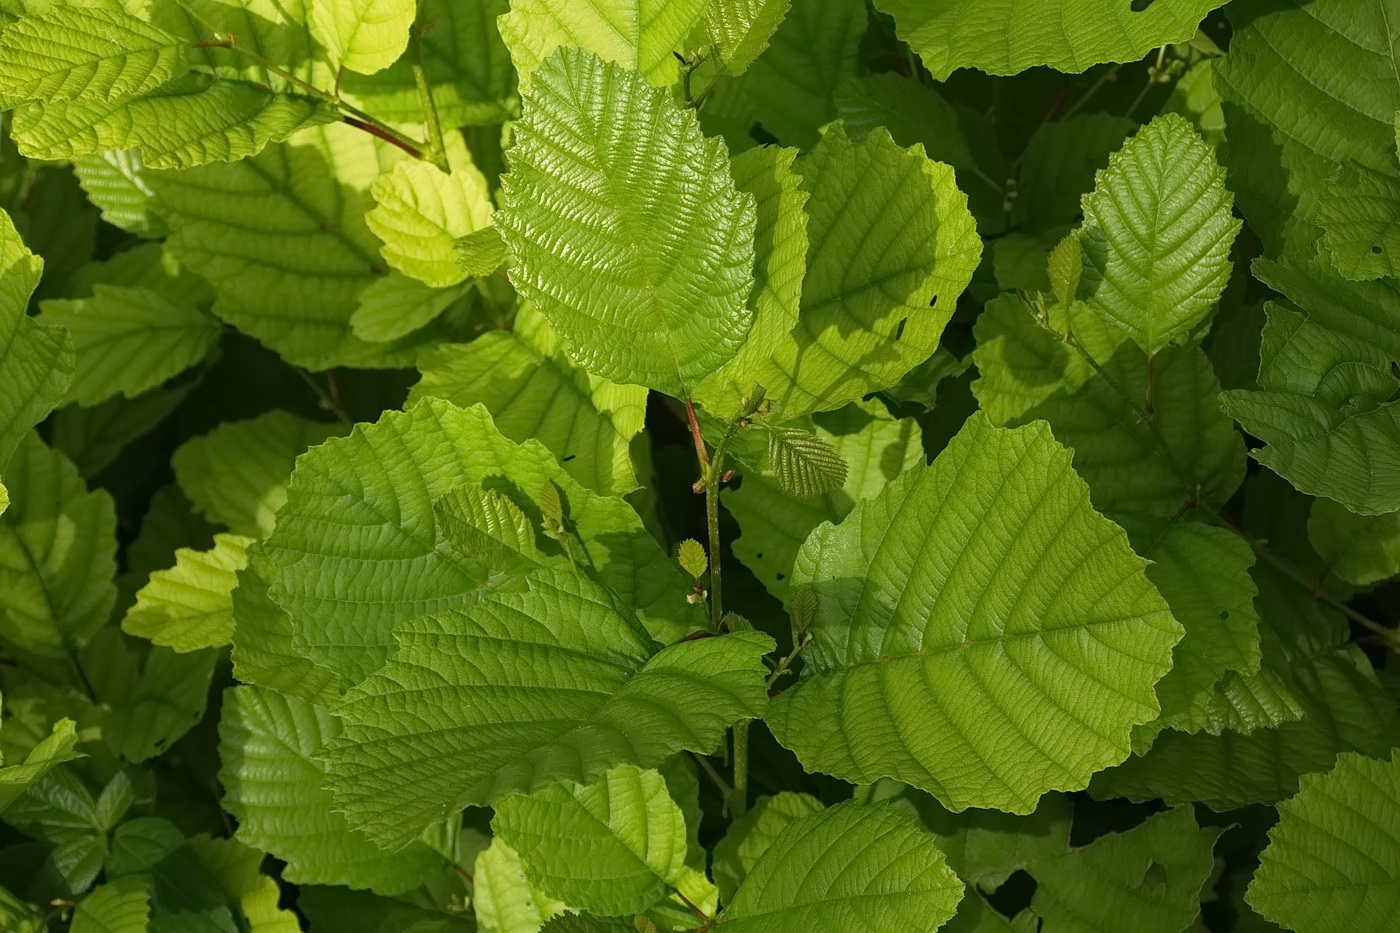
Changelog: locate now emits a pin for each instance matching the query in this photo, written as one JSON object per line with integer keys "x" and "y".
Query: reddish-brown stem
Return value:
{"x": 700, "y": 454}
{"x": 692, "y": 908}
{"x": 387, "y": 137}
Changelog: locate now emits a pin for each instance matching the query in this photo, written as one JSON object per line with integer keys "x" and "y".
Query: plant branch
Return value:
{"x": 436, "y": 152}
{"x": 327, "y": 398}
{"x": 715, "y": 777}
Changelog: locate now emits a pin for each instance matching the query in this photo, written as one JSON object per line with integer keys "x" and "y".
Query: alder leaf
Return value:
{"x": 504, "y": 899}
{"x": 363, "y": 35}
{"x": 397, "y": 305}
{"x": 1357, "y": 211}
{"x": 753, "y": 834}
{"x": 965, "y": 641}
{"x": 189, "y": 607}
{"x": 484, "y": 524}
{"x": 626, "y": 229}
{"x": 804, "y": 464}
{"x": 65, "y": 52}
{"x": 739, "y": 30}
{"x": 53, "y": 750}
{"x": 1361, "y": 549}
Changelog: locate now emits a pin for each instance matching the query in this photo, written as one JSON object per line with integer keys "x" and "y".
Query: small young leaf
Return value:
{"x": 121, "y": 905}
{"x": 692, "y": 558}
{"x": 1066, "y": 267}
{"x": 188, "y": 607}
{"x": 804, "y": 464}
{"x": 363, "y": 35}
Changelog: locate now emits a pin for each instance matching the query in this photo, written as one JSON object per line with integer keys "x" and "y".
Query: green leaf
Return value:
{"x": 1059, "y": 165}
{"x": 986, "y": 659}
{"x": 128, "y": 340}
{"x": 1003, "y": 37}
{"x": 643, "y": 273}
{"x": 580, "y": 688}
{"x": 481, "y": 252}
{"x": 753, "y": 834}
{"x": 152, "y": 709}
{"x": 505, "y": 901}
{"x": 357, "y": 551}
{"x": 421, "y": 212}
{"x": 36, "y": 362}
{"x": 275, "y": 787}
{"x": 297, "y": 283}
{"x": 57, "y": 554}
{"x": 1157, "y": 235}
{"x": 847, "y": 867}
{"x": 1361, "y": 549}
{"x": 236, "y": 870}
{"x": 1028, "y": 370}
{"x": 803, "y": 463}
{"x": 534, "y": 392}
{"x": 774, "y": 522}
{"x": 119, "y": 906}
{"x": 1323, "y": 408}
{"x": 75, "y": 53}
{"x": 189, "y": 607}
{"x": 485, "y": 525}
{"x": 1149, "y": 878}
{"x": 363, "y": 35}
{"x": 55, "y": 749}
{"x": 1356, "y": 210}
{"x": 1333, "y": 857}
{"x": 116, "y": 183}
{"x": 396, "y": 305}
{"x": 94, "y": 437}
{"x": 692, "y": 558}
{"x": 639, "y": 35}
{"x": 237, "y": 474}
{"x": 634, "y": 833}
{"x": 191, "y": 121}
{"x": 986, "y": 846}
{"x": 738, "y": 30}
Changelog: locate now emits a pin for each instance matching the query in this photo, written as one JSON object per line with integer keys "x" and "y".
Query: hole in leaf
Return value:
{"x": 782, "y": 576}
{"x": 1156, "y": 876}
{"x": 899, "y": 331}
{"x": 1377, "y": 249}
{"x": 1014, "y": 895}
{"x": 1141, "y": 5}
{"x": 1224, "y": 614}
{"x": 569, "y": 457}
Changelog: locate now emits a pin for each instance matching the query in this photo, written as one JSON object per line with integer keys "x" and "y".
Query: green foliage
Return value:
{"x": 623, "y": 466}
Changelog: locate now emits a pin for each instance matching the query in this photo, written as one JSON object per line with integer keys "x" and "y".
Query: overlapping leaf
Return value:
{"x": 964, "y": 640}
{"x": 122, "y": 905}
{"x": 363, "y": 35}
{"x": 188, "y": 607}
{"x": 753, "y": 834}
{"x": 65, "y": 53}
{"x": 1361, "y": 549}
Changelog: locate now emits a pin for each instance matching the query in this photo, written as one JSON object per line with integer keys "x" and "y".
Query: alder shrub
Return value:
{"x": 721, "y": 465}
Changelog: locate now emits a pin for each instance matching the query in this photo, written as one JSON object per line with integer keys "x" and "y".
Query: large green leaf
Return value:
{"x": 122, "y": 905}
{"x": 1333, "y": 859}
{"x": 274, "y": 787}
{"x": 533, "y": 391}
{"x": 504, "y": 899}
{"x": 738, "y": 30}
{"x": 634, "y": 834}
{"x": 357, "y": 548}
{"x": 523, "y": 686}
{"x": 848, "y": 867}
{"x": 981, "y": 632}
{"x": 102, "y": 54}
{"x": 363, "y": 35}
{"x": 753, "y": 834}
{"x": 1324, "y": 409}
{"x": 1357, "y": 210}
{"x": 1361, "y": 549}
{"x": 1157, "y": 234}
{"x": 627, "y": 230}
{"x": 57, "y": 554}
{"x": 640, "y": 35}
{"x": 189, "y": 606}
{"x": 1002, "y": 37}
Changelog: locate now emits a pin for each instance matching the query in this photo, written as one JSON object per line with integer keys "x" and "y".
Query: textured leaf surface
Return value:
{"x": 1157, "y": 234}
{"x": 639, "y": 35}
{"x": 71, "y": 52}
{"x": 188, "y": 607}
{"x": 803, "y": 463}
{"x": 237, "y": 474}
{"x": 54, "y": 749}
{"x": 533, "y": 391}
{"x": 115, "y": 183}
{"x": 1361, "y": 549}
{"x": 627, "y": 230}
{"x": 122, "y": 905}
{"x": 420, "y": 213}
{"x": 1357, "y": 210}
{"x": 505, "y": 901}
{"x": 739, "y": 30}
{"x": 614, "y": 846}
{"x": 363, "y": 35}
{"x": 397, "y": 304}
{"x": 1003, "y": 37}
{"x": 524, "y": 687}
{"x": 1333, "y": 859}
{"x": 847, "y": 867}
{"x": 128, "y": 340}
{"x": 753, "y": 834}
{"x": 965, "y": 641}
{"x": 57, "y": 553}
{"x": 275, "y": 788}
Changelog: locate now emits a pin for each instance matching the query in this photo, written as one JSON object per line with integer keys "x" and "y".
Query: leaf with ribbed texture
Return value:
{"x": 753, "y": 834}
{"x": 774, "y": 523}
{"x": 57, "y": 554}
{"x": 985, "y": 847}
{"x": 297, "y": 283}
{"x": 356, "y": 549}
{"x": 1157, "y": 234}
{"x": 69, "y": 53}
{"x": 1003, "y": 37}
{"x": 534, "y": 392}
{"x": 803, "y": 463}
{"x": 867, "y": 316}
{"x": 614, "y": 846}
{"x": 1324, "y": 409}
{"x": 1149, "y": 878}
{"x": 396, "y": 305}
{"x": 520, "y": 687}
{"x": 4, "y": 498}
{"x": 738, "y": 30}
{"x": 53, "y": 750}
{"x": 1333, "y": 859}
{"x": 122, "y": 905}
{"x": 237, "y": 474}
{"x": 485, "y": 525}
{"x": 263, "y": 652}
{"x": 849, "y": 867}
{"x": 190, "y": 121}
{"x": 1361, "y": 549}
{"x": 421, "y": 211}
{"x": 36, "y": 362}
{"x": 627, "y": 231}
{"x": 363, "y": 35}
{"x": 274, "y": 787}
{"x": 128, "y": 340}
{"x": 640, "y": 35}
{"x": 505, "y": 901}
{"x": 1357, "y": 210}
{"x": 981, "y": 632}
{"x": 1028, "y": 371}
{"x": 188, "y": 607}
{"x": 481, "y": 252}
